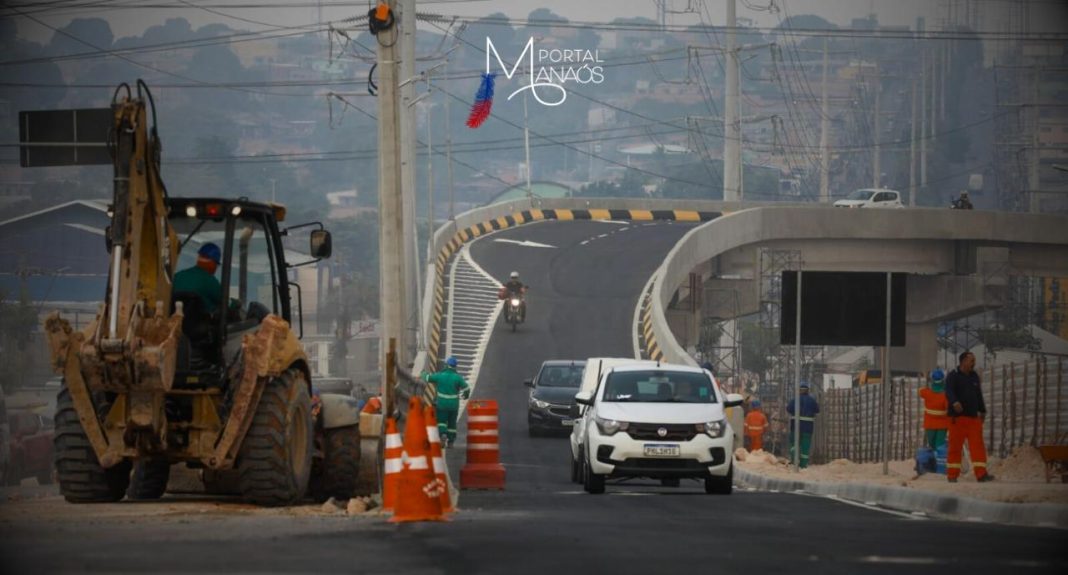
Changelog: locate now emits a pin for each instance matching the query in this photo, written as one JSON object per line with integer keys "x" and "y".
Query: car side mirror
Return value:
{"x": 529, "y": 383}
{"x": 321, "y": 244}
{"x": 733, "y": 400}
{"x": 584, "y": 398}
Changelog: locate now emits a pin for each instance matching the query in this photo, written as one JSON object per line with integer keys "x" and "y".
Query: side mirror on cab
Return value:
{"x": 584, "y": 398}
{"x": 529, "y": 383}
{"x": 321, "y": 244}
{"x": 733, "y": 400}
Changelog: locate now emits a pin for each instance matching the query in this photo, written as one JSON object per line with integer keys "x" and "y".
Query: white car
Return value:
{"x": 871, "y": 198}
{"x": 655, "y": 421}
{"x": 596, "y": 369}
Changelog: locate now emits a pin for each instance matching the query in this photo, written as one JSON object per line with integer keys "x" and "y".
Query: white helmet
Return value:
{"x": 514, "y": 275}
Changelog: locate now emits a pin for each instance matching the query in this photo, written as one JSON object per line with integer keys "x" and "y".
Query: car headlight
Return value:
{"x": 714, "y": 429}
{"x": 515, "y": 302}
{"x": 611, "y": 426}
{"x": 539, "y": 403}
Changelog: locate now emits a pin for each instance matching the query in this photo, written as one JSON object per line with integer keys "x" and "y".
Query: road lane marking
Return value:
{"x": 524, "y": 243}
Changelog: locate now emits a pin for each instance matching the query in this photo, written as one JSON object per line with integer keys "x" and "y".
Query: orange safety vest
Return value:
{"x": 373, "y": 406}
{"x": 755, "y": 423}
{"x": 935, "y": 405}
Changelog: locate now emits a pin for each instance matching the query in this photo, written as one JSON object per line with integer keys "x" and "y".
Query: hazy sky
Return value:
{"x": 129, "y": 22}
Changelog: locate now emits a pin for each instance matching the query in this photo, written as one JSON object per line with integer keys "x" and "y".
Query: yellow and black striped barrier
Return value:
{"x": 536, "y": 215}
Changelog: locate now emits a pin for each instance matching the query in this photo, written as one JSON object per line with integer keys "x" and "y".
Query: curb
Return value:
{"x": 912, "y": 500}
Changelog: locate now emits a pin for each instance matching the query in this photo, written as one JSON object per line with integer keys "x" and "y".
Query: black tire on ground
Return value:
{"x": 592, "y": 482}
{"x": 340, "y": 469}
{"x": 514, "y": 326}
{"x": 720, "y": 485}
{"x": 149, "y": 479}
{"x": 576, "y": 471}
{"x": 670, "y": 482}
{"x": 81, "y": 478}
{"x": 275, "y": 459}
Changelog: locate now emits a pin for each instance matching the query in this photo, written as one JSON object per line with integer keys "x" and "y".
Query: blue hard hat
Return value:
{"x": 210, "y": 251}
{"x": 804, "y": 385}
{"x": 754, "y": 403}
{"x": 451, "y": 361}
{"x": 937, "y": 375}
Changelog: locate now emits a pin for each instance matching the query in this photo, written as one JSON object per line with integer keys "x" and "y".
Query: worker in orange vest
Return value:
{"x": 935, "y": 410}
{"x": 755, "y": 425}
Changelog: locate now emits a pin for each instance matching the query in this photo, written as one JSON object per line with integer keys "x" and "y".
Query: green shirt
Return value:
{"x": 200, "y": 282}
{"x": 449, "y": 386}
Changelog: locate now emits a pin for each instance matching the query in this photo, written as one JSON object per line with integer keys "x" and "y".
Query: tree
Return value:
{"x": 82, "y": 35}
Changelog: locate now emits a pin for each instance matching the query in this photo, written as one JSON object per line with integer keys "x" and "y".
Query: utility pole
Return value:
{"x": 825, "y": 123}
{"x": 912, "y": 149}
{"x": 942, "y": 89}
{"x": 923, "y": 123}
{"x": 429, "y": 186}
{"x": 876, "y": 160}
{"x": 933, "y": 126}
{"x": 732, "y": 143}
{"x": 1034, "y": 177}
{"x": 391, "y": 225}
{"x": 448, "y": 152}
{"x": 526, "y": 146}
{"x": 407, "y": 80}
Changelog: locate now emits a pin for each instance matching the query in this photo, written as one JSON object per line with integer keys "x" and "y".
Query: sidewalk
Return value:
{"x": 1019, "y": 495}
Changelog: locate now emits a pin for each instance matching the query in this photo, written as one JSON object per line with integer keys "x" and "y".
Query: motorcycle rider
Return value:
{"x": 963, "y": 202}
{"x": 515, "y": 288}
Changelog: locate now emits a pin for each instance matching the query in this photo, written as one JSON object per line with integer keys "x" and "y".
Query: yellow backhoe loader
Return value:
{"x": 163, "y": 376}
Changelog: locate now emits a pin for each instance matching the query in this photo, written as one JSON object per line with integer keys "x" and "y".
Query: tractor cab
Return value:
{"x": 249, "y": 281}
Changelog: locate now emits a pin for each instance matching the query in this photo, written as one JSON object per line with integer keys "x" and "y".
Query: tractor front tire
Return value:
{"x": 275, "y": 460}
{"x": 81, "y": 477}
{"x": 340, "y": 469}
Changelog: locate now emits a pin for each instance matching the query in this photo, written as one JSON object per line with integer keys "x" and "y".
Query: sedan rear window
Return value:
{"x": 561, "y": 376}
{"x": 659, "y": 387}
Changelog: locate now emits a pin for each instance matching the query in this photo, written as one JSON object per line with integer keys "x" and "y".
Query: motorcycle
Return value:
{"x": 513, "y": 312}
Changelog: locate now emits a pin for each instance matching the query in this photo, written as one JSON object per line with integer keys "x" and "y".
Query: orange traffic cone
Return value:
{"x": 419, "y": 495}
{"x": 394, "y": 464}
{"x": 431, "y": 419}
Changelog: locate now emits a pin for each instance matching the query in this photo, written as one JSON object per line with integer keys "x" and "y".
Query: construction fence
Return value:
{"x": 1027, "y": 404}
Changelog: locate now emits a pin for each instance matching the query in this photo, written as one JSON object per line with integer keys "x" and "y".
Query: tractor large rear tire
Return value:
{"x": 275, "y": 460}
{"x": 340, "y": 467}
{"x": 81, "y": 478}
{"x": 149, "y": 480}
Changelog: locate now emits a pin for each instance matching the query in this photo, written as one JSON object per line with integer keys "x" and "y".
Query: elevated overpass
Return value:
{"x": 959, "y": 261}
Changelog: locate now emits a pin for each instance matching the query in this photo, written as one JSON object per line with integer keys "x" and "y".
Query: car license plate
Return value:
{"x": 567, "y": 422}
{"x": 662, "y": 450}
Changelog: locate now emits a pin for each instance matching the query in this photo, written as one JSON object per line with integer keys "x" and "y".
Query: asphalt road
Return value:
{"x": 581, "y": 304}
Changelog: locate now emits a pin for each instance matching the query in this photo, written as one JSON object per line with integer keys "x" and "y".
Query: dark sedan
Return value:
{"x": 552, "y": 396}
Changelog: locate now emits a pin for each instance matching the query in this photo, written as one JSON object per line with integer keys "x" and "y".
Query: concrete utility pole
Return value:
{"x": 825, "y": 123}
{"x": 1034, "y": 176}
{"x": 732, "y": 143}
{"x": 448, "y": 152}
{"x": 923, "y": 124}
{"x": 391, "y": 224}
{"x": 429, "y": 186}
{"x": 526, "y": 146}
{"x": 876, "y": 160}
{"x": 933, "y": 126}
{"x": 406, "y": 81}
{"x": 912, "y": 149}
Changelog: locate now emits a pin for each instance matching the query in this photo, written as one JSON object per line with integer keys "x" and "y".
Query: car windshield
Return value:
{"x": 862, "y": 195}
{"x": 655, "y": 386}
{"x": 561, "y": 376}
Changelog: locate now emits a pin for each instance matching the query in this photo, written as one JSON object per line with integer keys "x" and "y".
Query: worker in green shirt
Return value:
{"x": 200, "y": 279}
{"x": 450, "y": 386}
